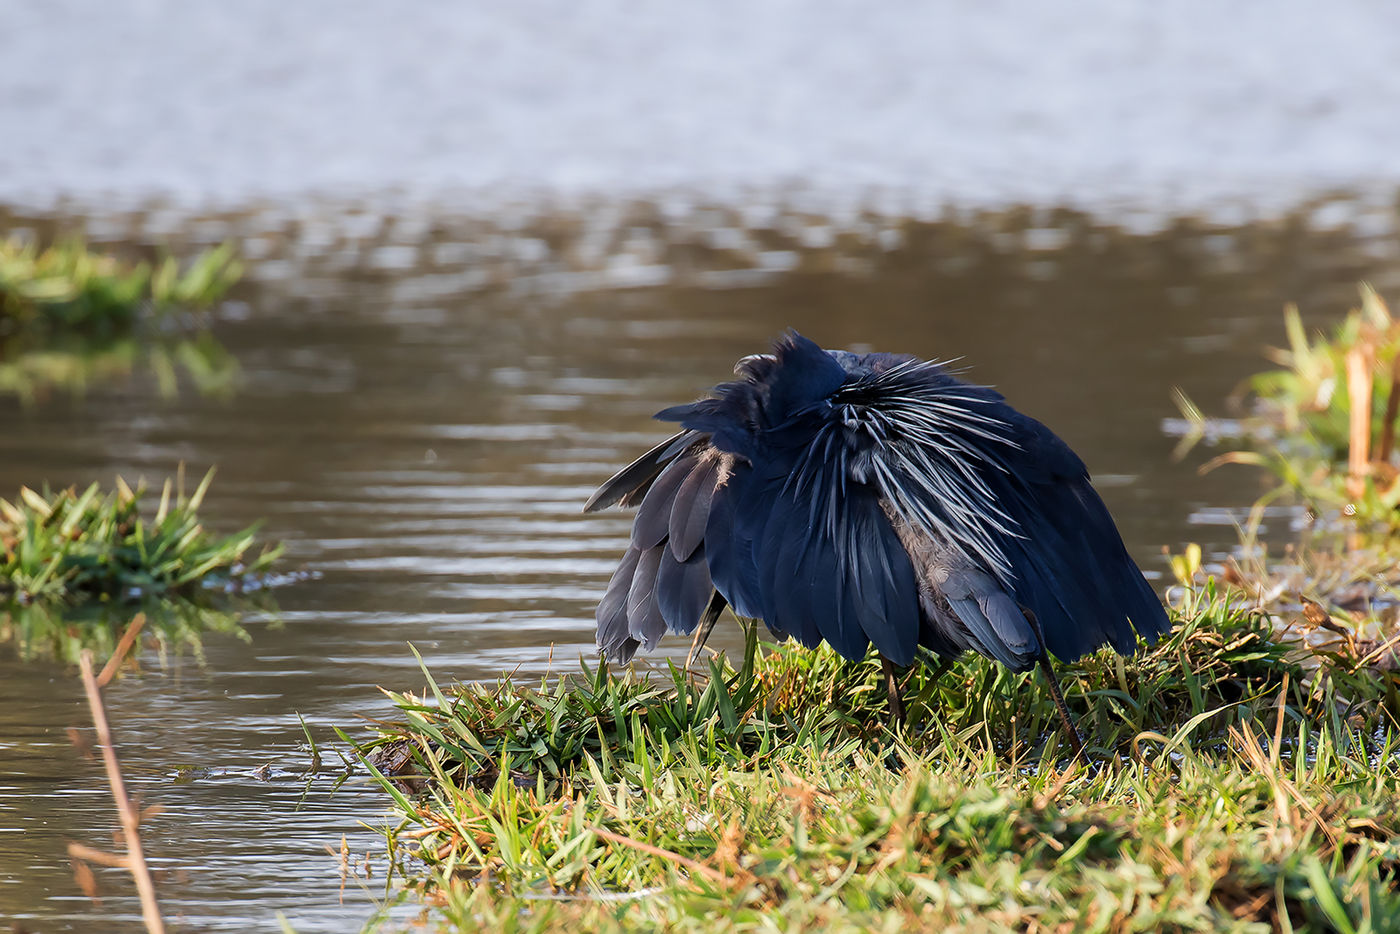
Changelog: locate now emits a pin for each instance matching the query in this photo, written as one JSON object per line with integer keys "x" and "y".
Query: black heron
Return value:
{"x": 871, "y": 498}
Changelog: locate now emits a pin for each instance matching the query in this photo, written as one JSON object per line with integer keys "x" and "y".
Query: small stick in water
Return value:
{"x": 135, "y": 859}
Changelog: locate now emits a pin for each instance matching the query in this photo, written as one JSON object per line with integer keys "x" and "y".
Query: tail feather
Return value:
{"x": 653, "y": 522}
{"x": 993, "y": 618}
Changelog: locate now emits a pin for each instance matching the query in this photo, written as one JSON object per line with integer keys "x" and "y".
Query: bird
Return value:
{"x": 871, "y": 498}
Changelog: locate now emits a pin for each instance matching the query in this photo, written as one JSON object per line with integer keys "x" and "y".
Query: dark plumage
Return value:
{"x": 874, "y": 498}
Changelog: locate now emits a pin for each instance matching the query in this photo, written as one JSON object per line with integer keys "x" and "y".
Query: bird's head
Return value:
{"x": 864, "y": 365}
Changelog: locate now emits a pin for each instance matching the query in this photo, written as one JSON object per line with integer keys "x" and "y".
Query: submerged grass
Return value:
{"x": 1232, "y": 787}
{"x": 75, "y": 566}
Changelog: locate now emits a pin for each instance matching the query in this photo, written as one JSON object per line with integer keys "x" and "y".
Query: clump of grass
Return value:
{"x": 64, "y": 553}
{"x": 1327, "y": 605}
{"x": 1322, "y": 424}
{"x": 1232, "y": 787}
{"x": 73, "y": 547}
{"x": 66, "y": 288}
{"x": 70, "y": 317}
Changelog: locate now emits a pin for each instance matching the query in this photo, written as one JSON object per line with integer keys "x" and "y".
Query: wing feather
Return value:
{"x": 683, "y": 588}
{"x": 614, "y": 637}
{"x": 653, "y": 522}
{"x": 690, "y": 511}
{"x": 634, "y": 479}
{"x": 1015, "y": 501}
{"x": 992, "y": 617}
{"x": 644, "y": 621}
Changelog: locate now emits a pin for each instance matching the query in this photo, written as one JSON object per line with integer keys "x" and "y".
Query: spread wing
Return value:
{"x": 899, "y": 506}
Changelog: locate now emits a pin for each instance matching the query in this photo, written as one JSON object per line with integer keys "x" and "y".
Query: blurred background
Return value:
{"x": 484, "y": 242}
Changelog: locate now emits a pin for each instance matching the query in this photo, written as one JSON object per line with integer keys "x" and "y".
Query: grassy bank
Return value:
{"x": 1239, "y": 781}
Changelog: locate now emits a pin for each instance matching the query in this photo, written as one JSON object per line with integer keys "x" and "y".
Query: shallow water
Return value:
{"x": 427, "y": 401}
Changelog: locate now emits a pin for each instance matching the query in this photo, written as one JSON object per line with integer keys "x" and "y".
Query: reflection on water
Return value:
{"x": 55, "y": 632}
{"x": 36, "y": 373}
{"x": 426, "y": 402}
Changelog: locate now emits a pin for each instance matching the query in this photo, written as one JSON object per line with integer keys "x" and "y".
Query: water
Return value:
{"x": 1192, "y": 104}
{"x": 423, "y": 433}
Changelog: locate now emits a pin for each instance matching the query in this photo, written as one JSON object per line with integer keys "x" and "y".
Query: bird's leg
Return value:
{"x": 892, "y": 689}
{"x": 1070, "y": 731}
{"x": 707, "y": 624}
{"x": 1044, "y": 662}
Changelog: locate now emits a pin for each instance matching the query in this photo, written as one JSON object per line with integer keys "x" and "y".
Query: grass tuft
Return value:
{"x": 75, "y": 566}
{"x": 68, "y": 289}
{"x": 1324, "y": 424}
